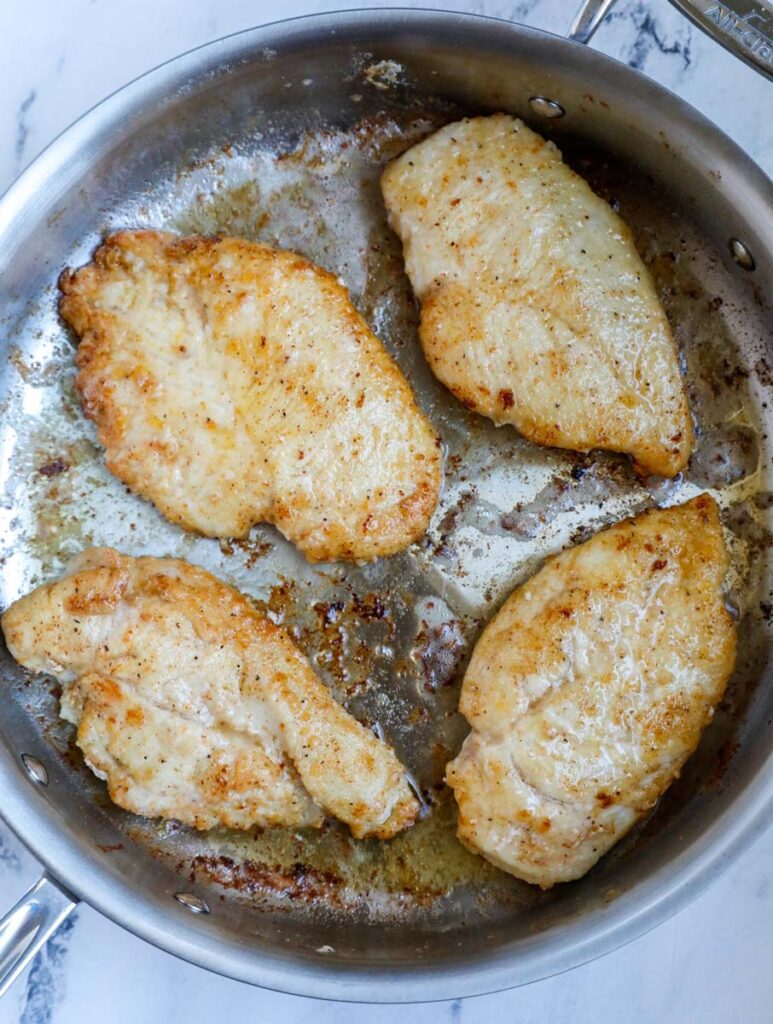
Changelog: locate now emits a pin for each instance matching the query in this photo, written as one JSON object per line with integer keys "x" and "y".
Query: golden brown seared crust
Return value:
{"x": 536, "y": 309}
{"x": 232, "y": 383}
{"x": 193, "y": 705}
{"x": 589, "y": 690}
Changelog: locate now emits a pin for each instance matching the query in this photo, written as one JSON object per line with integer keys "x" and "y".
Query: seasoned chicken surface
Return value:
{"x": 233, "y": 383}
{"x": 193, "y": 705}
{"x": 536, "y": 309}
{"x": 589, "y": 690}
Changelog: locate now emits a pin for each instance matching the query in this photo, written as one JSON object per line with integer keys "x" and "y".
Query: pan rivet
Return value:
{"x": 741, "y": 254}
{"x": 546, "y": 108}
{"x": 36, "y": 771}
{"x": 192, "y": 902}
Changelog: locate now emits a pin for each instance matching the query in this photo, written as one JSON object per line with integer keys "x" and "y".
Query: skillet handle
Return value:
{"x": 744, "y": 27}
{"x": 29, "y": 924}
{"x": 588, "y": 18}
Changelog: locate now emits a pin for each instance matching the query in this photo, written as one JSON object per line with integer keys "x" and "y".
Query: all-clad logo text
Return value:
{"x": 751, "y": 36}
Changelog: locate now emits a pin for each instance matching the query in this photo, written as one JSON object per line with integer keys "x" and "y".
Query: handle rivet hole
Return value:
{"x": 36, "y": 770}
{"x": 546, "y": 107}
{"x": 193, "y": 902}
{"x": 741, "y": 254}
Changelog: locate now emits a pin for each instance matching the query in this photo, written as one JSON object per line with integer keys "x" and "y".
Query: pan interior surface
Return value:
{"x": 282, "y": 139}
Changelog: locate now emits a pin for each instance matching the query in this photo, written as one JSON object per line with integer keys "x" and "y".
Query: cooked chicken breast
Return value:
{"x": 232, "y": 383}
{"x": 536, "y": 309}
{"x": 589, "y": 690}
{"x": 192, "y": 705}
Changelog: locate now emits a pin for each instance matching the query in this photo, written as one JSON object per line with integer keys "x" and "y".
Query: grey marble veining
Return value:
{"x": 712, "y": 963}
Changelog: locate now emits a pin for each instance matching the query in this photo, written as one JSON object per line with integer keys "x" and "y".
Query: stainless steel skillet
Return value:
{"x": 279, "y": 132}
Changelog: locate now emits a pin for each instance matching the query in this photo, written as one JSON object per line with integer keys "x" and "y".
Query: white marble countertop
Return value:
{"x": 711, "y": 963}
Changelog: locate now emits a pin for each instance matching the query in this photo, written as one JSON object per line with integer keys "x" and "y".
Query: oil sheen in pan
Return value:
{"x": 392, "y": 638}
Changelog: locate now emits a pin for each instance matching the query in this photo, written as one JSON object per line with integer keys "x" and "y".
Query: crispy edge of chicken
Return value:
{"x": 193, "y": 705}
{"x": 589, "y": 689}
